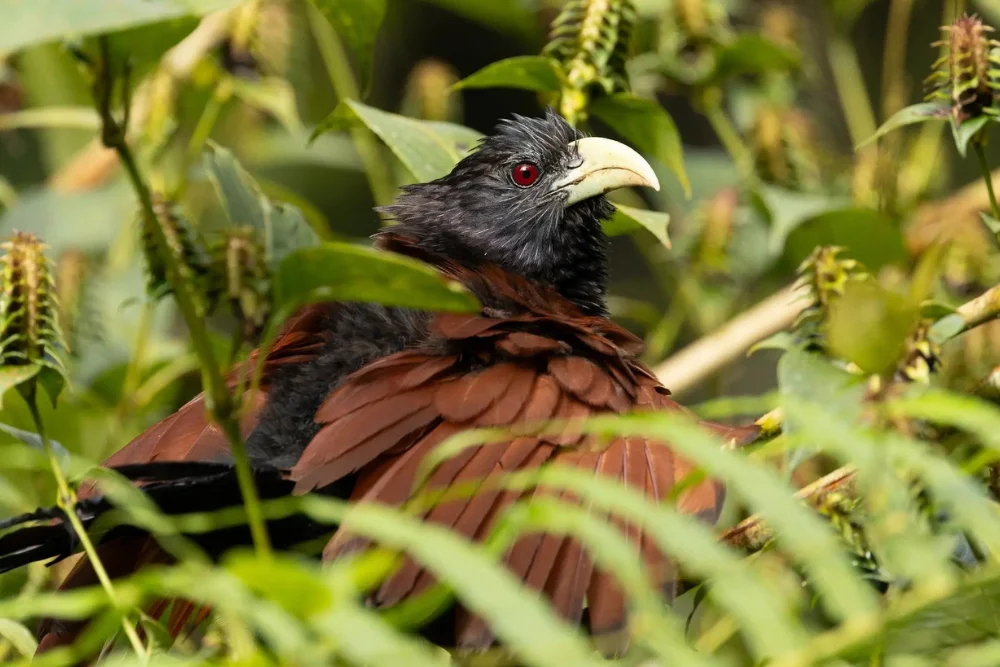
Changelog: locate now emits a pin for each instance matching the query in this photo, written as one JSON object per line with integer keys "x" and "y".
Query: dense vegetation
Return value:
{"x": 174, "y": 183}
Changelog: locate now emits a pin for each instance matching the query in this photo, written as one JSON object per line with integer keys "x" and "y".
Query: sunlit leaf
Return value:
{"x": 628, "y": 219}
{"x": 428, "y": 149}
{"x": 751, "y": 53}
{"x": 29, "y": 22}
{"x": 12, "y": 376}
{"x": 272, "y": 95}
{"x": 537, "y": 73}
{"x": 965, "y": 131}
{"x": 648, "y": 126}
{"x": 343, "y": 272}
{"x": 868, "y": 325}
{"x": 916, "y": 113}
{"x": 516, "y": 17}
{"x": 294, "y": 586}
{"x": 281, "y": 227}
{"x": 868, "y": 236}
{"x": 19, "y": 636}
{"x": 356, "y": 23}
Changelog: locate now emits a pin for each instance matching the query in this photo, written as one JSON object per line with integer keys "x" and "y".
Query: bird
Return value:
{"x": 354, "y": 396}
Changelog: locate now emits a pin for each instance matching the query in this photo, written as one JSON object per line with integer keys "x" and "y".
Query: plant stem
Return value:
{"x": 711, "y": 107}
{"x": 345, "y": 85}
{"x": 850, "y": 84}
{"x": 218, "y": 401}
{"x": 67, "y": 503}
{"x": 988, "y": 177}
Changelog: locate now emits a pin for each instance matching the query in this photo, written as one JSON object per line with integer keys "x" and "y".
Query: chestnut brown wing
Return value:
{"x": 492, "y": 372}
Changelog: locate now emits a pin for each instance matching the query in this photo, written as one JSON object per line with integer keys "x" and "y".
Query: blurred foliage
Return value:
{"x": 267, "y": 130}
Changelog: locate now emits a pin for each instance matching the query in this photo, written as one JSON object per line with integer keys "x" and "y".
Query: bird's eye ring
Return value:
{"x": 525, "y": 174}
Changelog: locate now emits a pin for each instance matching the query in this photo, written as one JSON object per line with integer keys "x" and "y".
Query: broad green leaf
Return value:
{"x": 281, "y": 227}
{"x": 343, "y": 272}
{"x": 516, "y": 17}
{"x": 787, "y": 209}
{"x": 661, "y": 631}
{"x": 757, "y": 604}
{"x": 293, "y": 585}
{"x": 365, "y": 638}
{"x": 428, "y": 149}
{"x": 19, "y": 637}
{"x": 811, "y": 377}
{"x": 34, "y": 440}
{"x": 868, "y": 236}
{"x": 869, "y": 324}
{"x": 27, "y": 22}
{"x": 751, "y": 53}
{"x": 538, "y": 73}
{"x": 947, "y": 328}
{"x": 991, "y": 223}
{"x": 356, "y": 23}
{"x": 272, "y": 95}
{"x": 628, "y": 219}
{"x": 516, "y": 615}
{"x": 648, "y": 126}
{"x": 963, "y": 133}
{"x": 783, "y": 340}
{"x": 241, "y": 198}
{"x": 12, "y": 376}
{"x": 916, "y": 113}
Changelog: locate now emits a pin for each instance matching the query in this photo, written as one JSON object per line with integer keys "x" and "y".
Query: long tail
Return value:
{"x": 176, "y": 488}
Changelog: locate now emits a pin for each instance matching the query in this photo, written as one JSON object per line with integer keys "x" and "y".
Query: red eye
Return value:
{"x": 525, "y": 174}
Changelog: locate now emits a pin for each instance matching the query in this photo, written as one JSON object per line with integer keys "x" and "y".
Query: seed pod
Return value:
{"x": 29, "y": 324}
{"x": 968, "y": 73}
{"x": 183, "y": 244}
{"x": 429, "y": 93}
{"x": 591, "y": 40}
{"x": 784, "y": 146}
{"x": 825, "y": 275}
{"x": 240, "y": 270}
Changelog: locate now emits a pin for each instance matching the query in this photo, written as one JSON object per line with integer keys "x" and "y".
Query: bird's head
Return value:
{"x": 530, "y": 198}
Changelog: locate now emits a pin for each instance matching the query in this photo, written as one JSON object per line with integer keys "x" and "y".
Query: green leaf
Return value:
{"x": 538, "y": 73}
{"x": 294, "y": 586}
{"x": 648, "y": 126}
{"x": 516, "y": 17}
{"x": 342, "y": 272}
{"x": 19, "y": 637}
{"x": 947, "y": 328}
{"x": 787, "y": 209}
{"x": 868, "y": 325}
{"x": 783, "y": 340}
{"x": 868, "y": 236}
{"x": 365, "y": 638}
{"x": 281, "y": 227}
{"x": 27, "y": 22}
{"x": 356, "y": 23}
{"x": 811, "y": 377}
{"x": 916, "y": 113}
{"x": 991, "y": 223}
{"x": 272, "y": 95}
{"x": 428, "y": 149}
{"x": 34, "y": 440}
{"x": 963, "y": 133}
{"x": 516, "y": 615}
{"x": 751, "y": 53}
{"x": 12, "y": 376}
{"x": 84, "y": 118}
{"x": 628, "y": 219}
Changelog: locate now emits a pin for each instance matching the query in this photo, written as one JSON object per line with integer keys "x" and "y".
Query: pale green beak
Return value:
{"x": 607, "y": 165}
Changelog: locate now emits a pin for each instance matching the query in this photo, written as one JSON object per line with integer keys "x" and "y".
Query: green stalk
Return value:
{"x": 66, "y": 501}
{"x": 850, "y": 84}
{"x": 345, "y": 85}
{"x": 711, "y": 108}
{"x": 218, "y": 401}
{"x": 984, "y": 166}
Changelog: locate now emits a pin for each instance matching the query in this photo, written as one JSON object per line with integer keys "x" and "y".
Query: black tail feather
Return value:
{"x": 176, "y": 488}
